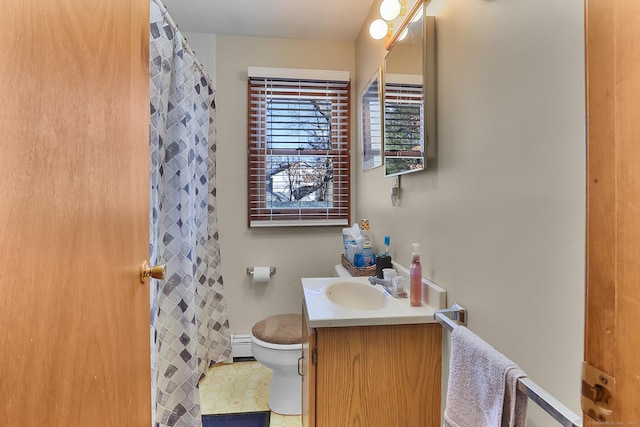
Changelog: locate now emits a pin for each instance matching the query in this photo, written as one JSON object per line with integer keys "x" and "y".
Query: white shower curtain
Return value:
{"x": 189, "y": 323}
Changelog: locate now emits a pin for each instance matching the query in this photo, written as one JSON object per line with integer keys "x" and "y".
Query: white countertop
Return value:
{"x": 323, "y": 312}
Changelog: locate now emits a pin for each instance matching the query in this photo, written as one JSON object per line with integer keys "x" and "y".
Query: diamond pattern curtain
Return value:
{"x": 189, "y": 323}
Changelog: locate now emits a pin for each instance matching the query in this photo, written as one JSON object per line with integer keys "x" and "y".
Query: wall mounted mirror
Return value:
{"x": 371, "y": 122}
{"x": 409, "y": 95}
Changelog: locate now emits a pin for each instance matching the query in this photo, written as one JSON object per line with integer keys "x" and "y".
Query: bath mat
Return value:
{"x": 247, "y": 419}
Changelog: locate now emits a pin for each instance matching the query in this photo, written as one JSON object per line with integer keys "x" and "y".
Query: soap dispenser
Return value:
{"x": 415, "y": 276}
{"x": 368, "y": 256}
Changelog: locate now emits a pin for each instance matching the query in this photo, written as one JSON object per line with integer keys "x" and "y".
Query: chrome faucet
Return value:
{"x": 388, "y": 287}
{"x": 377, "y": 281}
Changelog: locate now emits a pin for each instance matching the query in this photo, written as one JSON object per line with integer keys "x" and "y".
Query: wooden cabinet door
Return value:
{"x": 379, "y": 376}
{"x": 309, "y": 373}
{"x": 74, "y": 213}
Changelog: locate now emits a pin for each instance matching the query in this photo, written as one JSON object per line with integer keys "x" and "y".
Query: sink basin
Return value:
{"x": 352, "y": 301}
{"x": 357, "y": 296}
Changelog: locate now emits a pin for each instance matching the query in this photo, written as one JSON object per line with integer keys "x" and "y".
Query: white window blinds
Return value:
{"x": 299, "y": 143}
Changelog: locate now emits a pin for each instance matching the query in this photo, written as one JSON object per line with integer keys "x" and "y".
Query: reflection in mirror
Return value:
{"x": 408, "y": 127}
{"x": 371, "y": 123}
{"x": 404, "y": 124}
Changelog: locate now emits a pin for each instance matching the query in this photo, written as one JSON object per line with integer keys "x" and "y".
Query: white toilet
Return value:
{"x": 276, "y": 342}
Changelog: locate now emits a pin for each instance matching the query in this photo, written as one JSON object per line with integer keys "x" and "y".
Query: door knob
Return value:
{"x": 157, "y": 271}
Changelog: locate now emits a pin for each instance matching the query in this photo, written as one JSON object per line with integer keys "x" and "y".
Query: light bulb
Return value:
{"x": 403, "y": 34}
{"x": 378, "y": 29}
{"x": 390, "y": 9}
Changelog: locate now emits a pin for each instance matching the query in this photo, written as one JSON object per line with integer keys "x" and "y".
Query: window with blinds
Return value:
{"x": 403, "y": 126}
{"x": 299, "y": 143}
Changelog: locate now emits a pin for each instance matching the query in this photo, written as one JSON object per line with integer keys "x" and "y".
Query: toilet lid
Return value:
{"x": 279, "y": 329}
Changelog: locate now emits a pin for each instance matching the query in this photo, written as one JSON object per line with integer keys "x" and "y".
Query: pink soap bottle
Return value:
{"x": 415, "y": 276}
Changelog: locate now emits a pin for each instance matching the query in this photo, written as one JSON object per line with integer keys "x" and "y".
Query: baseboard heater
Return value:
{"x": 241, "y": 345}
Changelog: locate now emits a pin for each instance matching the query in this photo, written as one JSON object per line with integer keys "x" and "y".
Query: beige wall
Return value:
{"x": 295, "y": 252}
{"x": 501, "y": 216}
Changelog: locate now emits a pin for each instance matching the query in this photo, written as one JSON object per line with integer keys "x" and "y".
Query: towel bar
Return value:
{"x": 551, "y": 405}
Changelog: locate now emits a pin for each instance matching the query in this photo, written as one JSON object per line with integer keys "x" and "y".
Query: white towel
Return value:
{"x": 515, "y": 402}
{"x": 482, "y": 389}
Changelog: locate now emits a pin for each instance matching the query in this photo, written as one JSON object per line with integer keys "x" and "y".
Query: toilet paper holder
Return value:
{"x": 272, "y": 271}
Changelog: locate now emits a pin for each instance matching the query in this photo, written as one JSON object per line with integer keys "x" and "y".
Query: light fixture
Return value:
{"x": 378, "y": 29}
{"x": 389, "y": 10}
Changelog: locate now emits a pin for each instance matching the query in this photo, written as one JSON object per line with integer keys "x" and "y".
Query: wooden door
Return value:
{"x": 612, "y": 334}
{"x": 74, "y": 209}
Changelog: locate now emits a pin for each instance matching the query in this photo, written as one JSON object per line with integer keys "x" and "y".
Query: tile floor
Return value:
{"x": 240, "y": 387}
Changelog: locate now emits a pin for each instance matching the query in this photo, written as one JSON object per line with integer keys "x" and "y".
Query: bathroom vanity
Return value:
{"x": 368, "y": 367}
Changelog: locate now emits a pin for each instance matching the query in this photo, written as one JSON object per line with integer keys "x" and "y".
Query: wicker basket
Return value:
{"x": 358, "y": 271}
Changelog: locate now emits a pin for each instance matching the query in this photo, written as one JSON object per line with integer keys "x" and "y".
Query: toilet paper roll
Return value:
{"x": 261, "y": 274}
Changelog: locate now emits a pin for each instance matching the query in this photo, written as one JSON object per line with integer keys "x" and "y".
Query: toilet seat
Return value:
{"x": 272, "y": 346}
{"x": 279, "y": 330}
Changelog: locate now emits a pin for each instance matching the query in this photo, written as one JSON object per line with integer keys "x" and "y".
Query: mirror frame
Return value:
{"x": 396, "y": 24}
{"x": 370, "y": 136}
